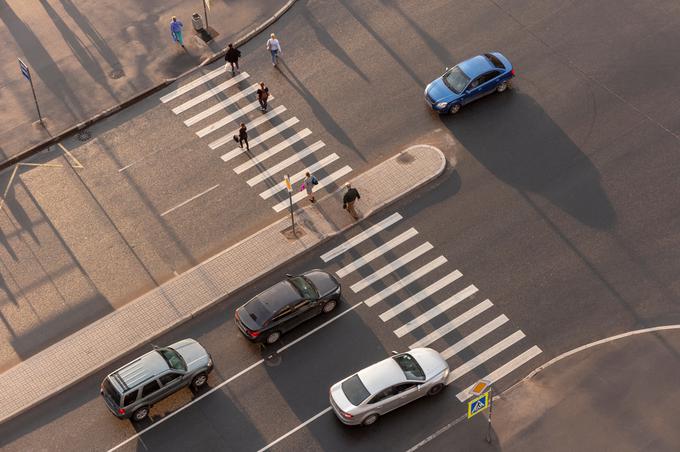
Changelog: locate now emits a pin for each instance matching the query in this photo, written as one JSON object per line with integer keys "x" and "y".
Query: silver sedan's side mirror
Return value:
{"x": 394, "y": 352}
{"x": 447, "y": 68}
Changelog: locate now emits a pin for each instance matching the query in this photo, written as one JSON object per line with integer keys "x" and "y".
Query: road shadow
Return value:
{"x": 517, "y": 141}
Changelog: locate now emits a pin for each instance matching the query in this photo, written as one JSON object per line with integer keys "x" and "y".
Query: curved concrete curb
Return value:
{"x": 138, "y": 97}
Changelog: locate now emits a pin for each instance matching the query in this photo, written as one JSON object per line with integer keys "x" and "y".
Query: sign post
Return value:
{"x": 289, "y": 187}
{"x": 481, "y": 402}
{"x": 23, "y": 67}
{"x": 206, "y": 7}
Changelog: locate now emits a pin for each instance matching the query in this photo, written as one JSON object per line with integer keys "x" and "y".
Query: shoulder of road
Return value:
{"x": 619, "y": 393}
{"x": 99, "y": 344}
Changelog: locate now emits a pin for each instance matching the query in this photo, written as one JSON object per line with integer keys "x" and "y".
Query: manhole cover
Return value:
{"x": 116, "y": 73}
{"x": 84, "y": 135}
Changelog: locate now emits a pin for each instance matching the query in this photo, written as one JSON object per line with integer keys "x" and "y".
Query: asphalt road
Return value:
{"x": 560, "y": 204}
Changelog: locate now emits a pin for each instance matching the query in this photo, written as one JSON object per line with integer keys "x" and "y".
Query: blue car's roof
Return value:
{"x": 475, "y": 66}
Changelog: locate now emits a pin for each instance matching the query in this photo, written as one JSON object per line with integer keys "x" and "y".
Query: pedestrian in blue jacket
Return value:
{"x": 176, "y": 31}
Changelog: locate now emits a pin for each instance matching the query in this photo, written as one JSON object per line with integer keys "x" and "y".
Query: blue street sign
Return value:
{"x": 478, "y": 404}
{"x": 24, "y": 69}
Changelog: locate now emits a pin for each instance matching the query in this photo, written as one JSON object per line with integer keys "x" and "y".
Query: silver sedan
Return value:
{"x": 387, "y": 385}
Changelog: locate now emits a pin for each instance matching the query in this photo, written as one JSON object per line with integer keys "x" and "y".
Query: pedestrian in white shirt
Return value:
{"x": 274, "y": 46}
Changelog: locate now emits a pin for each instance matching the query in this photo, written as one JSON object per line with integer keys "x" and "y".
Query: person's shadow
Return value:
{"x": 517, "y": 141}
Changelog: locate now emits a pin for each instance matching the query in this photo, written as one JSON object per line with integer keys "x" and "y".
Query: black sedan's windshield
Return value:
{"x": 456, "y": 80}
{"x": 305, "y": 287}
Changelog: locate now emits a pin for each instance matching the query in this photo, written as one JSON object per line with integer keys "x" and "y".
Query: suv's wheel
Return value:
{"x": 370, "y": 420}
{"x": 329, "y": 306}
{"x": 199, "y": 381}
{"x": 502, "y": 87}
{"x": 455, "y": 108}
{"x": 273, "y": 337}
{"x": 436, "y": 389}
{"x": 140, "y": 414}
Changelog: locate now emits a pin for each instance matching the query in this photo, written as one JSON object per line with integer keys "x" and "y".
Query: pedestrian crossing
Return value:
{"x": 218, "y": 101}
{"x": 420, "y": 297}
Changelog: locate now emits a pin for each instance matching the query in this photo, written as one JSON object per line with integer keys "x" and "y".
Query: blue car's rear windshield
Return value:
{"x": 456, "y": 80}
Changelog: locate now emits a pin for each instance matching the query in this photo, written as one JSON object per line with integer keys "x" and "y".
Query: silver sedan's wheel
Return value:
{"x": 370, "y": 420}
{"x": 436, "y": 389}
{"x": 455, "y": 108}
{"x": 273, "y": 337}
{"x": 140, "y": 414}
{"x": 199, "y": 380}
{"x": 502, "y": 87}
{"x": 329, "y": 306}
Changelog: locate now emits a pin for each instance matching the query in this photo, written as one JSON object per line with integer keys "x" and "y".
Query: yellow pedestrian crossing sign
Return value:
{"x": 478, "y": 404}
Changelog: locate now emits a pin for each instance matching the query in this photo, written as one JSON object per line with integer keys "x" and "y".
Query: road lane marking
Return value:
{"x": 299, "y": 176}
{"x": 392, "y": 266}
{"x": 420, "y": 296}
{"x": 484, "y": 356}
{"x": 260, "y": 138}
{"x": 228, "y": 119}
{"x": 261, "y": 157}
{"x": 504, "y": 370}
{"x": 425, "y": 269}
{"x": 220, "y": 106}
{"x": 189, "y": 86}
{"x": 474, "y": 336}
{"x": 331, "y": 178}
{"x": 210, "y": 93}
{"x": 189, "y": 200}
{"x": 379, "y": 251}
{"x": 250, "y": 125}
{"x": 449, "y": 326}
{"x": 308, "y": 421}
{"x": 270, "y": 172}
{"x": 436, "y": 310}
{"x": 360, "y": 237}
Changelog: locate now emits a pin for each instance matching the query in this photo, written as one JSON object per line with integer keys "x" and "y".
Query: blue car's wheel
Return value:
{"x": 453, "y": 109}
{"x": 502, "y": 87}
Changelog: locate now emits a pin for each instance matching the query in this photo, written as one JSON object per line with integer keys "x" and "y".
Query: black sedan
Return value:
{"x": 287, "y": 304}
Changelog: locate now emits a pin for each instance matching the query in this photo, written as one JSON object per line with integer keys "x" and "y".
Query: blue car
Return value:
{"x": 469, "y": 81}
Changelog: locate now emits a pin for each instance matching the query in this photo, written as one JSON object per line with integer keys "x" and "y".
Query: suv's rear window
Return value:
{"x": 354, "y": 390}
{"x": 111, "y": 391}
{"x": 494, "y": 60}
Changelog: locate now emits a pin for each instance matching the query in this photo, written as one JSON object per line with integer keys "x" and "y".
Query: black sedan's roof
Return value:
{"x": 273, "y": 299}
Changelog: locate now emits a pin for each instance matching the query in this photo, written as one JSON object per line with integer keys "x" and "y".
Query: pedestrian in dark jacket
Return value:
{"x": 262, "y": 96}
{"x": 348, "y": 200}
{"x": 243, "y": 136}
{"x": 231, "y": 57}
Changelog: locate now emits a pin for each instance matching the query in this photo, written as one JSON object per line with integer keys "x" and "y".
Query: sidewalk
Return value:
{"x": 88, "y": 57}
{"x": 622, "y": 395}
{"x": 92, "y": 348}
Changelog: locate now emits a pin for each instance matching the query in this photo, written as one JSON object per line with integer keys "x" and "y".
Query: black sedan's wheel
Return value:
{"x": 329, "y": 306}
{"x": 140, "y": 414}
{"x": 502, "y": 87}
{"x": 436, "y": 389}
{"x": 370, "y": 420}
{"x": 273, "y": 337}
{"x": 455, "y": 108}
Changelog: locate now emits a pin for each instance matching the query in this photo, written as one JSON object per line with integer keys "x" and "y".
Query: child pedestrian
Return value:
{"x": 262, "y": 96}
{"x": 176, "y": 31}
{"x": 231, "y": 57}
{"x": 274, "y": 46}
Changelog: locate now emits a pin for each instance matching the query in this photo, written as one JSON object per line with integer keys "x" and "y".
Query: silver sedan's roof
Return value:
{"x": 381, "y": 375}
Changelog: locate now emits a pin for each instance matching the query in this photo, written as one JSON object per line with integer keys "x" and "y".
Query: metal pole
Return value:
{"x": 292, "y": 217}
{"x": 488, "y": 430}
{"x": 205, "y": 13}
{"x": 36, "y": 103}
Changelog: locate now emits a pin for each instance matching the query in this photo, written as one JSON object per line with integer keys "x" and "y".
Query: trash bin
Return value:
{"x": 197, "y": 21}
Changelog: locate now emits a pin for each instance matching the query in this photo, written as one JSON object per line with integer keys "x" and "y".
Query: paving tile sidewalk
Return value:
{"x": 90, "y": 349}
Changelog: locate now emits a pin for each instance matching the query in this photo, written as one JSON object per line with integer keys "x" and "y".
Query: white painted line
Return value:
{"x": 193, "y": 84}
{"x": 331, "y": 178}
{"x": 420, "y": 296}
{"x": 436, "y": 310}
{"x": 438, "y": 433}
{"x": 319, "y": 327}
{"x": 208, "y": 94}
{"x": 299, "y": 175}
{"x": 392, "y": 266}
{"x": 425, "y": 269}
{"x": 308, "y": 421}
{"x": 379, "y": 251}
{"x": 504, "y": 370}
{"x": 261, "y": 138}
{"x": 474, "y": 337}
{"x": 450, "y": 326}
{"x": 221, "y": 105}
{"x": 189, "y": 200}
{"x": 251, "y": 125}
{"x": 184, "y": 407}
{"x": 261, "y": 157}
{"x": 368, "y": 233}
{"x": 484, "y": 356}
{"x": 228, "y": 119}
{"x": 270, "y": 172}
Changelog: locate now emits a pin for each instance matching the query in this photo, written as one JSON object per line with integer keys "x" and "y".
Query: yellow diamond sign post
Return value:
{"x": 481, "y": 401}
{"x": 289, "y": 187}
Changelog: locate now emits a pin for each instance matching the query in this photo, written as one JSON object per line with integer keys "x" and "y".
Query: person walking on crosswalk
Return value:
{"x": 262, "y": 96}
{"x": 308, "y": 185}
{"x": 176, "y": 31}
{"x": 274, "y": 46}
{"x": 231, "y": 58}
{"x": 351, "y": 195}
{"x": 242, "y": 136}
